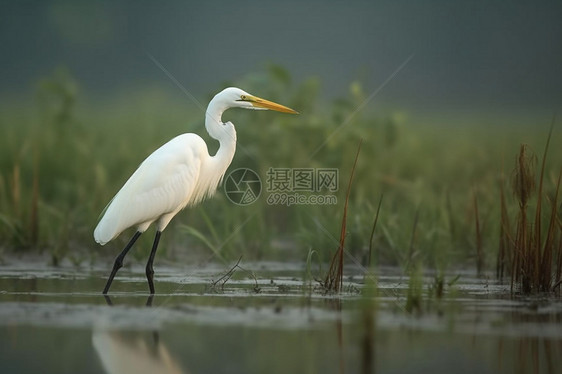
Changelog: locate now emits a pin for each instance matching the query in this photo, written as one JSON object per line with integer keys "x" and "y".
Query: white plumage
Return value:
{"x": 178, "y": 174}
{"x": 166, "y": 182}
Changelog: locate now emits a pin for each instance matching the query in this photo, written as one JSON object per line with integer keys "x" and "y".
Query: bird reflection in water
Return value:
{"x": 137, "y": 352}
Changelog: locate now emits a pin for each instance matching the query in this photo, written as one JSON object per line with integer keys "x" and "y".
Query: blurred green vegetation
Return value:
{"x": 64, "y": 155}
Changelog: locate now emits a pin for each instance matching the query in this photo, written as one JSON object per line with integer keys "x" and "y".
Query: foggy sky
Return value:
{"x": 472, "y": 55}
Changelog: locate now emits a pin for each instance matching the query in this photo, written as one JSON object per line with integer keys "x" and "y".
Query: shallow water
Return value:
{"x": 263, "y": 320}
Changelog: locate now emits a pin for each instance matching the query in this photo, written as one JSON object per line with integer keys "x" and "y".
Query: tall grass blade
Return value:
{"x": 505, "y": 251}
{"x": 558, "y": 274}
{"x": 479, "y": 252}
{"x": 413, "y": 239}
{"x": 523, "y": 186}
{"x": 536, "y": 247}
{"x": 369, "y": 264}
{"x": 34, "y": 216}
{"x": 533, "y": 257}
{"x": 334, "y": 278}
{"x": 16, "y": 190}
{"x": 546, "y": 260}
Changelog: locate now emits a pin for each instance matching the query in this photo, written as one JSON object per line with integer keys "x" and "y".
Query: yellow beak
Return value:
{"x": 266, "y": 104}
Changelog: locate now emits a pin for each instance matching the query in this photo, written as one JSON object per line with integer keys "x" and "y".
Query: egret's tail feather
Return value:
{"x": 105, "y": 231}
{"x": 100, "y": 235}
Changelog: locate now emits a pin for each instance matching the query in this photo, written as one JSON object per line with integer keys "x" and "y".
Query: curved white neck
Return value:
{"x": 223, "y": 132}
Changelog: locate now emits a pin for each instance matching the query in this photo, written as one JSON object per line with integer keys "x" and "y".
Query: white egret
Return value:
{"x": 178, "y": 174}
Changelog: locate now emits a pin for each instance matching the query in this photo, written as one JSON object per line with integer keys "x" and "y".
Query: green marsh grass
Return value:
{"x": 64, "y": 154}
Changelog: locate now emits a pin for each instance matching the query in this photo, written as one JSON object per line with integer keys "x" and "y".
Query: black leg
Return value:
{"x": 119, "y": 261}
{"x": 149, "y": 269}
{"x": 155, "y": 333}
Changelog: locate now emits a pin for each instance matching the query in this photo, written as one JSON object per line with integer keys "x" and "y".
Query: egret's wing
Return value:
{"x": 162, "y": 184}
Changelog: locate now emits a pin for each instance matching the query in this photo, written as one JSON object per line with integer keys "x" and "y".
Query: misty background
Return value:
{"x": 471, "y": 59}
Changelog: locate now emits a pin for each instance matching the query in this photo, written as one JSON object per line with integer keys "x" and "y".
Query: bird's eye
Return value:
{"x": 243, "y": 97}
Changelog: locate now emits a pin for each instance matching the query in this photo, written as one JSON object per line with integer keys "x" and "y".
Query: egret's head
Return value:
{"x": 237, "y": 98}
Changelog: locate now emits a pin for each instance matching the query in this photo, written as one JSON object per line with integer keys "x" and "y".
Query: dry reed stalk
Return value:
{"x": 505, "y": 252}
{"x": 373, "y": 232}
{"x": 532, "y": 265}
{"x": 545, "y": 274}
{"x": 226, "y": 277}
{"x": 558, "y": 274}
{"x": 535, "y": 246}
{"x": 334, "y": 278}
{"x": 479, "y": 252}
{"x": 524, "y": 186}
